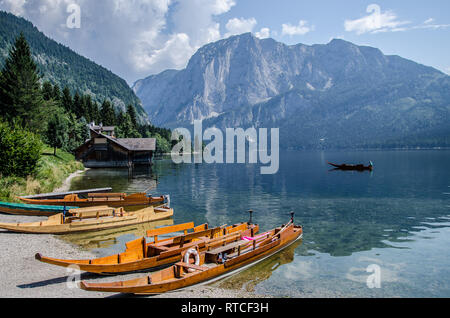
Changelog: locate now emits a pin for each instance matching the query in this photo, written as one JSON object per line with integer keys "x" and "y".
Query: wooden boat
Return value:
{"x": 90, "y": 219}
{"x": 359, "y": 167}
{"x": 99, "y": 199}
{"x": 209, "y": 265}
{"x": 61, "y": 195}
{"x": 141, "y": 255}
{"x": 32, "y": 209}
{"x": 109, "y": 237}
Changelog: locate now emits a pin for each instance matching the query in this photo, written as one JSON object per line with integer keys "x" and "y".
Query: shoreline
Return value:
{"x": 65, "y": 186}
{"x": 25, "y": 277}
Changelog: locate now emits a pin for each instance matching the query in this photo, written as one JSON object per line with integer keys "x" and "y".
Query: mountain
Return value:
{"x": 60, "y": 65}
{"x": 335, "y": 95}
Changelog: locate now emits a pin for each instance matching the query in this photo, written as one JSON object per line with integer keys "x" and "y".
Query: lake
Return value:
{"x": 396, "y": 217}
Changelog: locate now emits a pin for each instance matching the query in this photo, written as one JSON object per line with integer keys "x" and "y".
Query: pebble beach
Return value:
{"x": 25, "y": 277}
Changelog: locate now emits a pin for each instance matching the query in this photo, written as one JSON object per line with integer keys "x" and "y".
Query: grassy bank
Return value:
{"x": 50, "y": 174}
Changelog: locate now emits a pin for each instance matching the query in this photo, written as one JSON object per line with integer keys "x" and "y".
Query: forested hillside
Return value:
{"x": 60, "y": 65}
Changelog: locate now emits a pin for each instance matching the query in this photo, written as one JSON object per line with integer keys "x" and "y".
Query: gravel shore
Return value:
{"x": 24, "y": 277}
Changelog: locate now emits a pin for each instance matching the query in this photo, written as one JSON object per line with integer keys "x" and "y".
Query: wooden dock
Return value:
{"x": 61, "y": 195}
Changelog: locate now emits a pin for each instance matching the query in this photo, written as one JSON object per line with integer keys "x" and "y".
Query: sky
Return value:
{"x": 138, "y": 38}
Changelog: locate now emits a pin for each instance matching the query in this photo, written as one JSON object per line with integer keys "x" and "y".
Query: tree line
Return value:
{"x": 32, "y": 114}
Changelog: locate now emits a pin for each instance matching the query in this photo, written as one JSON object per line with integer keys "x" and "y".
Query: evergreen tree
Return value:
{"x": 87, "y": 107}
{"x": 108, "y": 116}
{"x": 132, "y": 112}
{"x": 47, "y": 90}
{"x": 94, "y": 113}
{"x": 66, "y": 99}
{"x": 77, "y": 106}
{"x": 56, "y": 92}
{"x": 20, "y": 90}
{"x": 126, "y": 128}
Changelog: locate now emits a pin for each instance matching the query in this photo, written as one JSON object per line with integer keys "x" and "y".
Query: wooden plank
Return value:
{"x": 227, "y": 247}
{"x": 106, "y": 195}
{"x": 170, "y": 229}
{"x": 61, "y": 195}
{"x": 189, "y": 237}
{"x": 250, "y": 254}
{"x": 193, "y": 266}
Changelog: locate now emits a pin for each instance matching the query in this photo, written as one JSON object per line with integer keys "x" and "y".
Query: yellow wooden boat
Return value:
{"x": 90, "y": 219}
{"x": 209, "y": 265}
{"x": 101, "y": 199}
{"x": 140, "y": 254}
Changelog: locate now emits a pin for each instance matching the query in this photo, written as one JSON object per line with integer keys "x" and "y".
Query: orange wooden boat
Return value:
{"x": 140, "y": 255}
{"x": 97, "y": 199}
{"x": 90, "y": 219}
{"x": 209, "y": 265}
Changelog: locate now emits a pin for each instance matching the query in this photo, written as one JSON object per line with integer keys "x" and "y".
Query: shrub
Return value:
{"x": 20, "y": 151}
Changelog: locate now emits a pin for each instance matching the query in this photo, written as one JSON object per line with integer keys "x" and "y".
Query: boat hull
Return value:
{"x": 351, "y": 167}
{"x": 217, "y": 272}
{"x": 32, "y": 210}
{"x": 108, "y": 267}
{"x": 85, "y": 203}
{"x": 85, "y": 226}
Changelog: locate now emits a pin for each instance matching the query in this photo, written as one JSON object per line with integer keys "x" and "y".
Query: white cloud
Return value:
{"x": 428, "y": 21}
{"x": 375, "y": 22}
{"x": 133, "y": 38}
{"x": 447, "y": 70}
{"x": 264, "y": 33}
{"x": 300, "y": 29}
{"x": 238, "y": 26}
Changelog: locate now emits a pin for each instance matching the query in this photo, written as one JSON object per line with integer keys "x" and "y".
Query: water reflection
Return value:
{"x": 108, "y": 238}
{"x": 347, "y": 215}
{"x": 249, "y": 278}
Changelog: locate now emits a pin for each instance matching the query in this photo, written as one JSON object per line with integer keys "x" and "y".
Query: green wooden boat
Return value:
{"x": 32, "y": 209}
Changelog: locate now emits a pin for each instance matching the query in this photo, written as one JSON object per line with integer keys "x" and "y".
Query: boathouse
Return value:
{"x": 103, "y": 150}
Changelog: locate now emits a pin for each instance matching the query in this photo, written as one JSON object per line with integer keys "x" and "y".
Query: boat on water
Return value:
{"x": 90, "y": 219}
{"x": 140, "y": 254}
{"x": 358, "y": 167}
{"x": 101, "y": 199}
{"x": 209, "y": 265}
{"x": 32, "y": 209}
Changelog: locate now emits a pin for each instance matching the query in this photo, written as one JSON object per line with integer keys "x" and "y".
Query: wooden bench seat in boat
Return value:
{"x": 211, "y": 256}
{"x": 106, "y": 195}
{"x": 181, "y": 265}
{"x": 173, "y": 229}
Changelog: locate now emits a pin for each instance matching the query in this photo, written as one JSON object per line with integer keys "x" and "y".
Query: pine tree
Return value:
{"x": 56, "y": 92}
{"x": 77, "y": 107}
{"x": 94, "y": 113}
{"x": 87, "y": 107}
{"x": 107, "y": 114}
{"x": 132, "y": 112}
{"x": 66, "y": 99}
{"x": 126, "y": 128}
{"x": 20, "y": 90}
{"x": 47, "y": 90}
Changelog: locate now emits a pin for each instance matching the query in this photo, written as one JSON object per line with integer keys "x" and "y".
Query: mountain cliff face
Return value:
{"x": 333, "y": 95}
{"x": 60, "y": 65}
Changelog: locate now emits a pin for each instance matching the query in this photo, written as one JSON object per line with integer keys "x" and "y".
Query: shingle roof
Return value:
{"x": 138, "y": 144}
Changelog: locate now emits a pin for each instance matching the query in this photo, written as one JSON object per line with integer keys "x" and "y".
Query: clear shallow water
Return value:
{"x": 397, "y": 216}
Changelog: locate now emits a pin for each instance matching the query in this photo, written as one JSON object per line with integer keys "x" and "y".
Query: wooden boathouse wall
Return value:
{"x": 103, "y": 151}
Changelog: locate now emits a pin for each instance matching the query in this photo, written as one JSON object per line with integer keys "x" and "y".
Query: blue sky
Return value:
{"x": 430, "y": 45}
{"x": 137, "y": 38}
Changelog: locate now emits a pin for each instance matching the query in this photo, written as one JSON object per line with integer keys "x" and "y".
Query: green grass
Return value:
{"x": 50, "y": 174}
